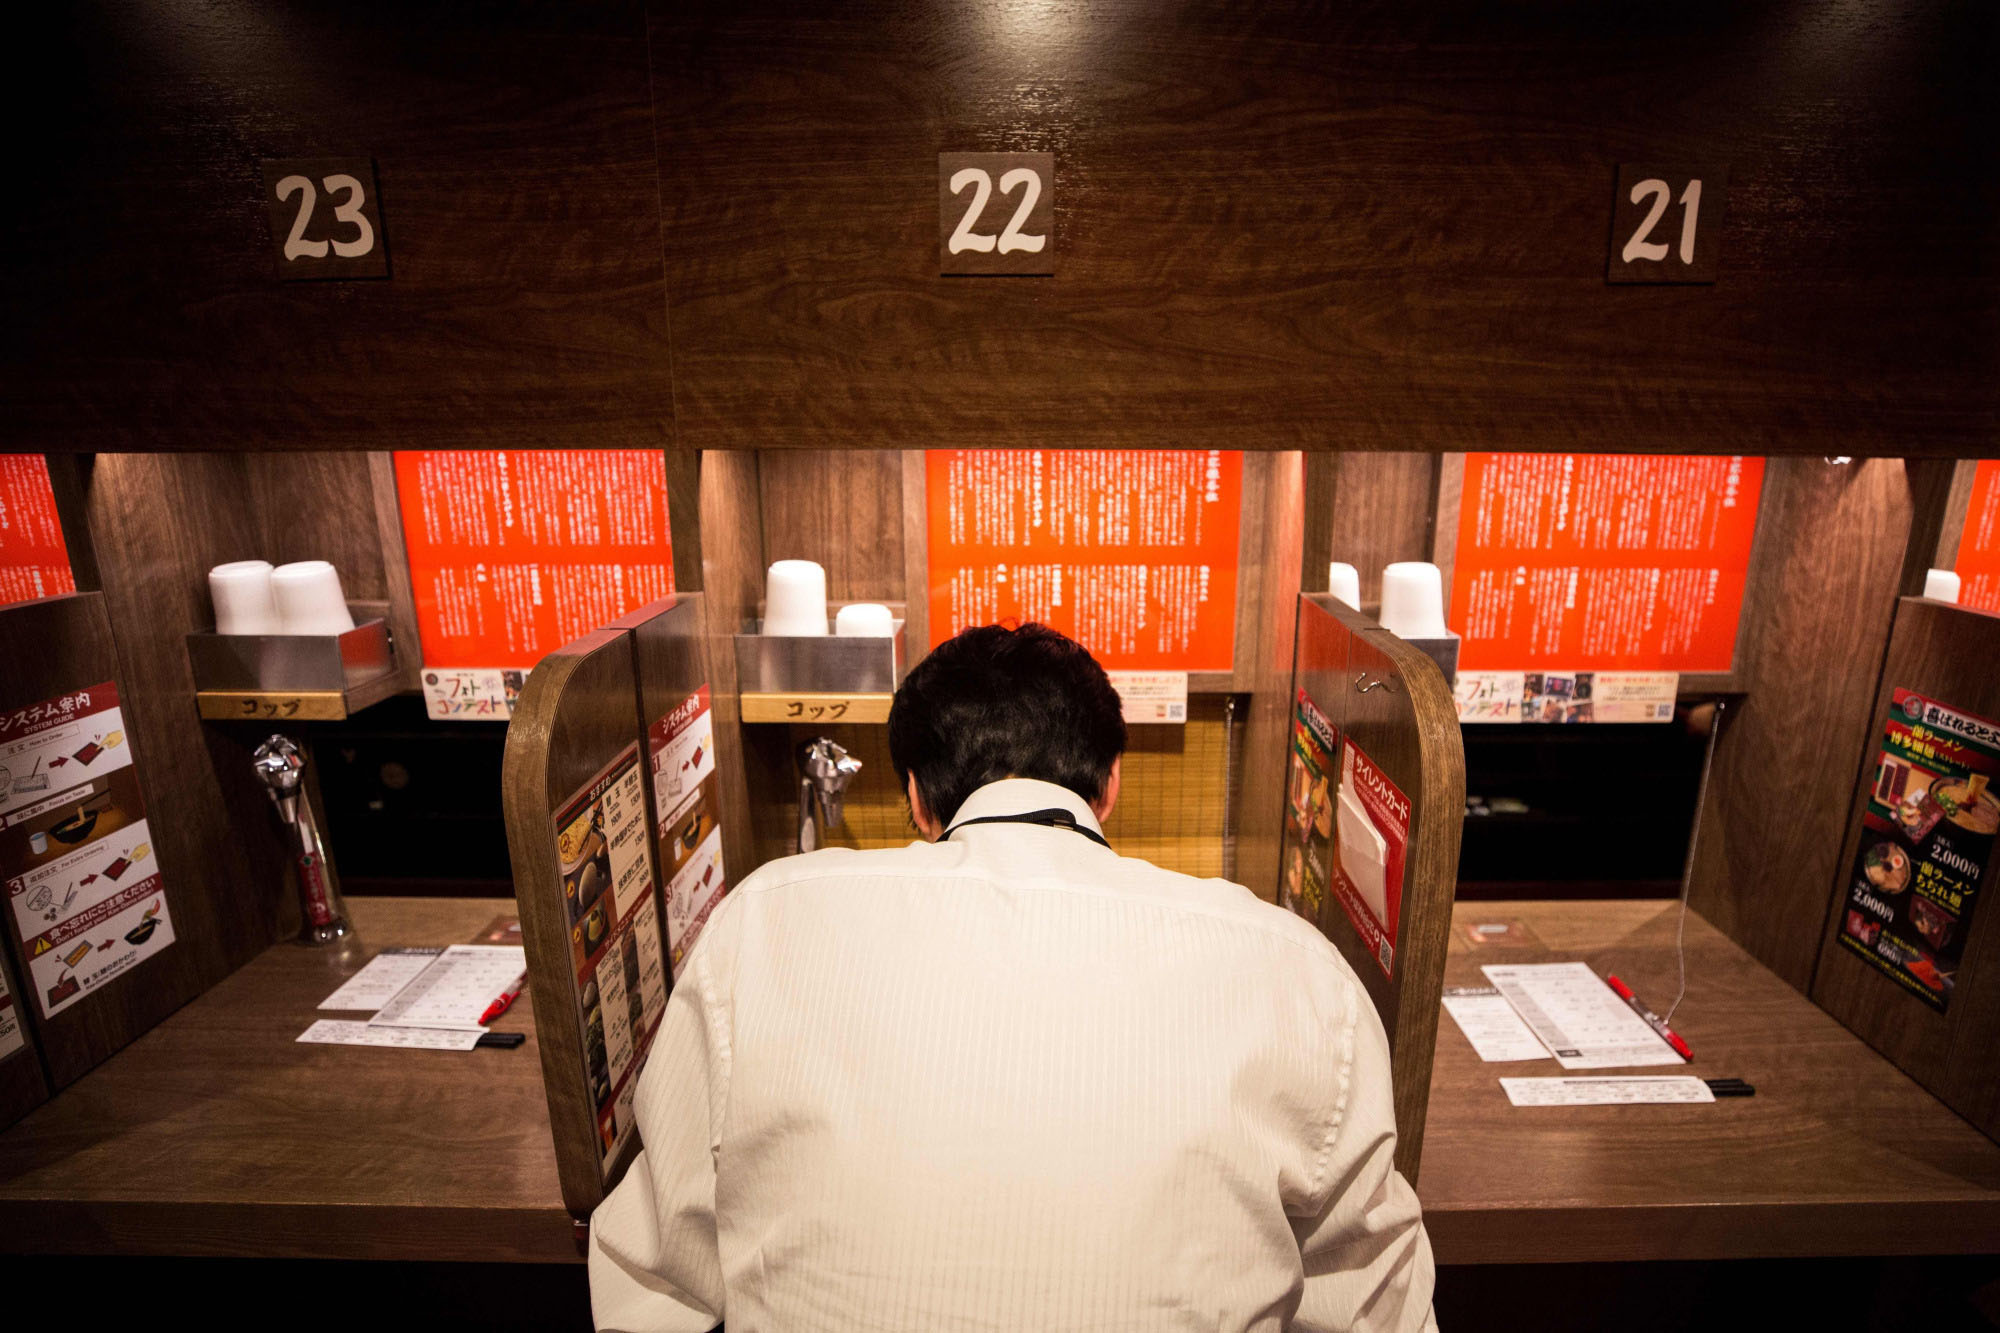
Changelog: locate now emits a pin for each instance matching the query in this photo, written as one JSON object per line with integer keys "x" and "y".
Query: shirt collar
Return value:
{"x": 1021, "y": 796}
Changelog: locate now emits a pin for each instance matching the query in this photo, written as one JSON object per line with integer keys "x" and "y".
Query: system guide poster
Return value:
{"x": 514, "y": 553}
{"x": 34, "y": 559}
{"x": 1926, "y": 840}
{"x": 607, "y": 876}
{"x": 1613, "y": 572}
{"x": 681, "y": 749}
{"x": 1131, "y": 552}
{"x": 1347, "y": 829}
{"x": 84, "y": 893}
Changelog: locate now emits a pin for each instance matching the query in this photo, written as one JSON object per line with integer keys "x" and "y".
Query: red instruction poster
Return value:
{"x": 34, "y": 561}
{"x": 1373, "y": 820}
{"x": 607, "y": 875}
{"x": 84, "y": 894}
{"x": 513, "y": 553}
{"x": 1978, "y": 562}
{"x": 1602, "y": 562}
{"x": 681, "y": 750}
{"x": 1131, "y": 552}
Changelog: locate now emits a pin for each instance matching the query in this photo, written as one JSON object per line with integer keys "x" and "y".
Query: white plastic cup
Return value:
{"x": 864, "y": 620}
{"x": 1413, "y": 600}
{"x": 1344, "y": 582}
{"x": 795, "y": 599}
{"x": 309, "y": 598}
{"x": 241, "y": 591}
{"x": 1941, "y": 584}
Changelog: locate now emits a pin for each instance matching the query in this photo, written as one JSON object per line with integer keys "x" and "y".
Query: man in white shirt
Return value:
{"x": 1005, "y": 1078}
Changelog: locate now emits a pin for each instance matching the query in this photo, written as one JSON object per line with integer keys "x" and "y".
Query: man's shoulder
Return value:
{"x": 1224, "y": 902}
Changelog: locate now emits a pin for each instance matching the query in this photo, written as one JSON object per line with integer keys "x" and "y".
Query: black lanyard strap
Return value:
{"x": 1057, "y": 818}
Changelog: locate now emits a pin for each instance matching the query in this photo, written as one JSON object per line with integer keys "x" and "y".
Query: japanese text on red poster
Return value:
{"x": 1602, "y": 562}
{"x": 1978, "y": 562}
{"x": 1373, "y": 831}
{"x": 514, "y": 553}
{"x": 34, "y": 559}
{"x": 1131, "y": 552}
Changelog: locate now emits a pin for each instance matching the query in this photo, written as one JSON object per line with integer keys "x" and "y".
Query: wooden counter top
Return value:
{"x": 218, "y": 1133}
{"x": 1839, "y": 1153}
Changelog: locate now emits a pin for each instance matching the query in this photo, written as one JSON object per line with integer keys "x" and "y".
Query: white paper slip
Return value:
{"x": 376, "y": 984}
{"x": 458, "y": 987}
{"x": 1635, "y": 1091}
{"x": 354, "y": 1032}
{"x": 1578, "y": 1017}
{"x": 1491, "y": 1025}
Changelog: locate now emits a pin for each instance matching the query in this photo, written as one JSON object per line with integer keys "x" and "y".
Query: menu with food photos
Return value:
{"x": 681, "y": 749}
{"x": 607, "y": 865}
{"x": 1927, "y": 837}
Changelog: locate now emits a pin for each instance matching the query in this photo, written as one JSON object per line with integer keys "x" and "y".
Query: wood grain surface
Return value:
{"x": 1375, "y": 228}
{"x": 1839, "y": 1153}
{"x": 1829, "y": 554}
{"x": 1945, "y": 653}
{"x": 843, "y": 510}
{"x": 217, "y": 1133}
{"x": 732, "y": 585}
{"x": 578, "y": 712}
{"x": 514, "y": 150}
{"x": 1259, "y": 798}
{"x": 219, "y": 920}
{"x": 1382, "y": 509}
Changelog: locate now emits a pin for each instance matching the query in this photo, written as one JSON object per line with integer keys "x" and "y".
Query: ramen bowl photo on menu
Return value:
{"x": 1887, "y": 867}
{"x": 1967, "y": 803}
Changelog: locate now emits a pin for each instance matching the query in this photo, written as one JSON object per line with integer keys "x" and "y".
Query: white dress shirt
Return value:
{"x": 1011, "y": 1080}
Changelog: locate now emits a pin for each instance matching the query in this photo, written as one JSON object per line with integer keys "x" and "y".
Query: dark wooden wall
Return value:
{"x": 514, "y": 153}
{"x": 1287, "y": 225}
{"x": 1365, "y": 227}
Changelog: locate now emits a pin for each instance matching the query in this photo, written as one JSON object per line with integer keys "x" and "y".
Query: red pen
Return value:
{"x": 507, "y": 997}
{"x": 1653, "y": 1020}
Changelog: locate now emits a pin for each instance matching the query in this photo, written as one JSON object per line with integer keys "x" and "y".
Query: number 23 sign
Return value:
{"x": 996, "y": 213}
{"x": 325, "y": 222}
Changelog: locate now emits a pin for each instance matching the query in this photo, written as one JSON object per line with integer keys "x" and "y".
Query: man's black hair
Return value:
{"x": 992, "y": 703}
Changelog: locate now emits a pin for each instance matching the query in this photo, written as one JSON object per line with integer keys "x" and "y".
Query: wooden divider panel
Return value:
{"x": 574, "y": 794}
{"x": 1945, "y": 654}
{"x": 103, "y": 849}
{"x": 23, "y": 1085}
{"x": 1389, "y": 754}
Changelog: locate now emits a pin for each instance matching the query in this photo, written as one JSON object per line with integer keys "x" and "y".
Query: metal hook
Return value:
{"x": 1386, "y": 683}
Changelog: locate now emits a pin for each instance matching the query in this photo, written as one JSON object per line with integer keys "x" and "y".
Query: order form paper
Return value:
{"x": 376, "y": 984}
{"x": 456, "y": 988}
{"x": 1605, "y": 1091}
{"x": 1491, "y": 1025}
{"x": 1578, "y": 1017}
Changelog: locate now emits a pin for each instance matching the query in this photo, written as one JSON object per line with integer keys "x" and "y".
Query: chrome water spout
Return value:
{"x": 828, "y": 768}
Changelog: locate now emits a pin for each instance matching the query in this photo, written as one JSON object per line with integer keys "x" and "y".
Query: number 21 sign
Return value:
{"x": 996, "y": 213}
{"x": 1666, "y": 224}
{"x": 325, "y": 222}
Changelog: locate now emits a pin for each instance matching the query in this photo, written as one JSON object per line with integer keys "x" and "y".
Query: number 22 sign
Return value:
{"x": 1666, "y": 224}
{"x": 325, "y": 222}
{"x": 996, "y": 213}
